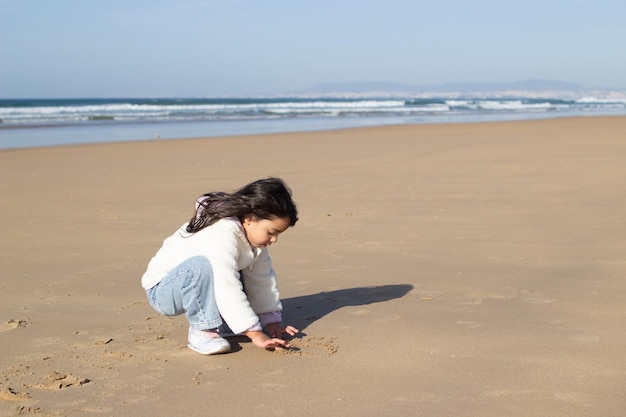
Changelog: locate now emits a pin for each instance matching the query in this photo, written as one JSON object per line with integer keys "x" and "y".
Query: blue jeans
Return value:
{"x": 188, "y": 289}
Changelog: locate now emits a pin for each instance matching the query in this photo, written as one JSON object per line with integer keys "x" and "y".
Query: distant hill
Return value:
{"x": 358, "y": 87}
{"x": 390, "y": 87}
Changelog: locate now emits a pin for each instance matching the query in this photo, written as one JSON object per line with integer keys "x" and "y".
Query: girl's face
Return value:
{"x": 264, "y": 232}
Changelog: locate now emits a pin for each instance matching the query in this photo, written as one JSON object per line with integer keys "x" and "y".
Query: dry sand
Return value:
{"x": 437, "y": 270}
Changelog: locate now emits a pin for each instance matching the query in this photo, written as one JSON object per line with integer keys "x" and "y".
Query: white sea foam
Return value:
{"x": 598, "y": 100}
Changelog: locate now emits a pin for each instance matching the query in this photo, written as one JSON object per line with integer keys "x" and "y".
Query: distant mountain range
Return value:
{"x": 531, "y": 85}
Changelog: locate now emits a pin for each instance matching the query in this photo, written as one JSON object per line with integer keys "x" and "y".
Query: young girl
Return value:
{"x": 216, "y": 268}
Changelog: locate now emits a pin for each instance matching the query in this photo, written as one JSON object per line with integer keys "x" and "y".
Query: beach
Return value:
{"x": 439, "y": 270}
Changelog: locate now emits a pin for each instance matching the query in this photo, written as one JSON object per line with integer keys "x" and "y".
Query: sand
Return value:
{"x": 436, "y": 270}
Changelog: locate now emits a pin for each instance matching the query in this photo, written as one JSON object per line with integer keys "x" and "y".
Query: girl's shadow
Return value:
{"x": 303, "y": 310}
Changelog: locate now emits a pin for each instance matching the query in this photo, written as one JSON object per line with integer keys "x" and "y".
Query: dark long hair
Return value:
{"x": 265, "y": 199}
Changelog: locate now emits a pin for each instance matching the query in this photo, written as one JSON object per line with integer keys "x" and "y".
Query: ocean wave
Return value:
{"x": 76, "y": 111}
{"x": 602, "y": 101}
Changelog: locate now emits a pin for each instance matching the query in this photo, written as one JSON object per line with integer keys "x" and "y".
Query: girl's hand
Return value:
{"x": 261, "y": 340}
{"x": 277, "y": 330}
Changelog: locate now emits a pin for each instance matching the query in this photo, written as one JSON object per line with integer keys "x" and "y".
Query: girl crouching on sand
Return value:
{"x": 216, "y": 268}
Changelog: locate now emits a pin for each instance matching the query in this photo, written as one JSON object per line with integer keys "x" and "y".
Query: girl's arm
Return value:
{"x": 262, "y": 289}
{"x": 224, "y": 247}
{"x": 261, "y": 285}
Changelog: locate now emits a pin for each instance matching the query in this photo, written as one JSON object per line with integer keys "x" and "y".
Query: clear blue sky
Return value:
{"x": 130, "y": 48}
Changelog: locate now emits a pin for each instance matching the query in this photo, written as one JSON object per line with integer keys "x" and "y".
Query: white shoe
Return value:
{"x": 206, "y": 344}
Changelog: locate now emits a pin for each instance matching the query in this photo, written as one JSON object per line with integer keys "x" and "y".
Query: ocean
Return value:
{"x": 50, "y": 122}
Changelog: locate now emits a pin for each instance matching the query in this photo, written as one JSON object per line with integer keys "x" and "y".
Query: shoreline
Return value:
{"x": 24, "y": 137}
{"x": 469, "y": 269}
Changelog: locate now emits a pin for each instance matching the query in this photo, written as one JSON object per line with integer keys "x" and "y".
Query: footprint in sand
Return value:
{"x": 9, "y": 394}
{"x": 12, "y": 324}
{"x": 60, "y": 380}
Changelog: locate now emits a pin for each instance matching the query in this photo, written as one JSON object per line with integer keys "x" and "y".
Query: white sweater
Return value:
{"x": 225, "y": 244}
